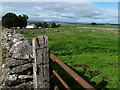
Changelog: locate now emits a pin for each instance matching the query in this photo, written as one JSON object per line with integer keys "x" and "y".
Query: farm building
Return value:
{"x": 31, "y": 26}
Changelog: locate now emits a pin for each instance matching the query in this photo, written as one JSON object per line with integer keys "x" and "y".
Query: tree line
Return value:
{"x": 10, "y": 20}
{"x": 46, "y": 25}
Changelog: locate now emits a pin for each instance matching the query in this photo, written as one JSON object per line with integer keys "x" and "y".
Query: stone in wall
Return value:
{"x": 11, "y": 63}
{"x": 22, "y": 69}
{"x": 21, "y": 50}
{"x": 18, "y": 37}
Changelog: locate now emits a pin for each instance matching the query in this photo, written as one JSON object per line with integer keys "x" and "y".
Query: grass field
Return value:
{"x": 94, "y": 54}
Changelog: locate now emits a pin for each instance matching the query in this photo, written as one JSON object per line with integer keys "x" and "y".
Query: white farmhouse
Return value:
{"x": 31, "y": 26}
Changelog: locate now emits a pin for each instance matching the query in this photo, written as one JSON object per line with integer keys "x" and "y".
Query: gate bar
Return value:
{"x": 61, "y": 80}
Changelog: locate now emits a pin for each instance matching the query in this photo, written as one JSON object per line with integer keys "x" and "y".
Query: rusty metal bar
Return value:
{"x": 79, "y": 79}
{"x": 61, "y": 80}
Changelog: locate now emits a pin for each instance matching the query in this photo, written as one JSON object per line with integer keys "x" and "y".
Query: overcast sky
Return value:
{"x": 100, "y": 12}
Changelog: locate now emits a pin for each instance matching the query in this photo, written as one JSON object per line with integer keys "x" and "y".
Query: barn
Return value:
{"x": 30, "y": 26}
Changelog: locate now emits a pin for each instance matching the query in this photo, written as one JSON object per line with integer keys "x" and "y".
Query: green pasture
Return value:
{"x": 94, "y": 54}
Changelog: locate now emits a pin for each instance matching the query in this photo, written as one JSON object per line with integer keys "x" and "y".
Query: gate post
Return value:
{"x": 41, "y": 73}
{"x": 0, "y": 46}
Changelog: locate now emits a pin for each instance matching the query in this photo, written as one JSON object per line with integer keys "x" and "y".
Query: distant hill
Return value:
{"x": 75, "y": 23}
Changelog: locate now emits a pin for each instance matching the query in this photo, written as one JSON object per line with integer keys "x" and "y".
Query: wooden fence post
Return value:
{"x": 0, "y": 45}
{"x": 41, "y": 62}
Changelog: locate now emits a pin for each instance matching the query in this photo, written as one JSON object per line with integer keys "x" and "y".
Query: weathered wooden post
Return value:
{"x": 41, "y": 62}
{"x": 0, "y": 44}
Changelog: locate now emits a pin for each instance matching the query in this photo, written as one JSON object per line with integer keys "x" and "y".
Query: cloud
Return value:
{"x": 53, "y": 11}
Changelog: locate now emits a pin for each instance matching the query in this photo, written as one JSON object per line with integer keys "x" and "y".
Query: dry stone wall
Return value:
{"x": 17, "y": 61}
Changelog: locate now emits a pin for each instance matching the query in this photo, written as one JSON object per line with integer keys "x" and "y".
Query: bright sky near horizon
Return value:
{"x": 100, "y": 12}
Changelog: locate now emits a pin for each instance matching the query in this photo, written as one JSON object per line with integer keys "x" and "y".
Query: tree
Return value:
{"x": 10, "y": 20}
{"x": 58, "y": 25}
{"x": 53, "y": 25}
{"x": 22, "y": 20}
{"x": 38, "y": 25}
{"x": 93, "y": 23}
{"x": 44, "y": 25}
